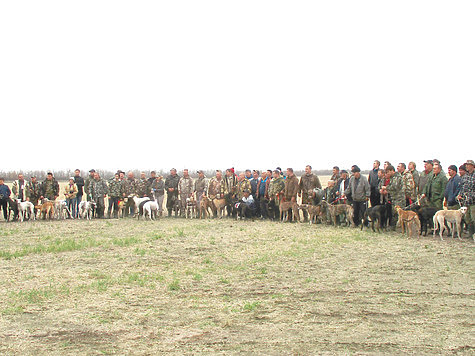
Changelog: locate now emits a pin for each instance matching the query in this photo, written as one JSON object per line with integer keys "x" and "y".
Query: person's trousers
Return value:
{"x": 78, "y": 201}
{"x": 113, "y": 202}
{"x": 263, "y": 205}
{"x": 359, "y": 208}
{"x": 4, "y": 205}
{"x": 72, "y": 206}
{"x": 159, "y": 200}
{"x": 100, "y": 207}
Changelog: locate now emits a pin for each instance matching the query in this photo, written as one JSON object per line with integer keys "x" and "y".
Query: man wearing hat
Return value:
{"x": 467, "y": 194}
{"x": 452, "y": 189}
{"x": 360, "y": 191}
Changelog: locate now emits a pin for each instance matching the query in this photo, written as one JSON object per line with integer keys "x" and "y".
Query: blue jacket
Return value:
{"x": 452, "y": 190}
{"x": 5, "y": 191}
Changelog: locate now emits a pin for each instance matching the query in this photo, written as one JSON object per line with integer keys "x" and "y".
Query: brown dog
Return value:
{"x": 220, "y": 204}
{"x": 284, "y": 207}
{"x": 408, "y": 220}
{"x": 314, "y": 212}
{"x": 46, "y": 210}
{"x": 340, "y": 209}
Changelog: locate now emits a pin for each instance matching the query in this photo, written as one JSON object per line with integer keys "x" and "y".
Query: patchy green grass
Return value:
{"x": 222, "y": 286}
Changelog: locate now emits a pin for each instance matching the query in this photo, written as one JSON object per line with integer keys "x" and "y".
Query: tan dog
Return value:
{"x": 408, "y": 220}
{"x": 340, "y": 209}
{"x": 284, "y": 207}
{"x": 205, "y": 204}
{"x": 46, "y": 210}
{"x": 314, "y": 211}
{"x": 190, "y": 212}
{"x": 452, "y": 217}
{"x": 120, "y": 210}
{"x": 220, "y": 204}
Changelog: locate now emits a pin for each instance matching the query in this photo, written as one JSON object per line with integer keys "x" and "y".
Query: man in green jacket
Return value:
{"x": 435, "y": 188}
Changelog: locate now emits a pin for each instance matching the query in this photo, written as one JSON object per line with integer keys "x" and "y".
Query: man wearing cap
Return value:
{"x": 411, "y": 167}
{"x": 116, "y": 191}
{"x": 18, "y": 188}
{"x": 171, "y": 186}
{"x": 276, "y": 187}
{"x": 216, "y": 189}
{"x": 360, "y": 191}
{"x": 230, "y": 182}
{"x": 98, "y": 190}
{"x": 425, "y": 176}
{"x": 33, "y": 191}
{"x": 452, "y": 189}
{"x": 49, "y": 188}
{"x": 435, "y": 187}
{"x": 467, "y": 194}
{"x": 247, "y": 205}
{"x": 87, "y": 183}
{"x": 201, "y": 187}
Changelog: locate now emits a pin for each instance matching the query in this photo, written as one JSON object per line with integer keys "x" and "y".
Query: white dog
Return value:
{"x": 61, "y": 208}
{"x": 452, "y": 217}
{"x": 25, "y": 209}
{"x": 150, "y": 208}
{"x": 137, "y": 202}
{"x": 191, "y": 208}
{"x": 86, "y": 209}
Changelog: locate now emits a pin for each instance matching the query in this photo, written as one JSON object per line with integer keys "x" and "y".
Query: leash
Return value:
{"x": 413, "y": 204}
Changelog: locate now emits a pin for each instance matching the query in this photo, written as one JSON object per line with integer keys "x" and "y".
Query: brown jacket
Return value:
{"x": 291, "y": 188}
{"x": 309, "y": 183}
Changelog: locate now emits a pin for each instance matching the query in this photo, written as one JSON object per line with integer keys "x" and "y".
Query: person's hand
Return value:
{"x": 293, "y": 200}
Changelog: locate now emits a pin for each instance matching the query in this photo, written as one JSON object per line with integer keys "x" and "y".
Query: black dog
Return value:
{"x": 377, "y": 214}
{"x": 13, "y": 207}
{"x": 426, "y": 217}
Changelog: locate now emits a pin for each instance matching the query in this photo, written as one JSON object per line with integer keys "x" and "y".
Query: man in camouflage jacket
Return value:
{"x": 129, "y": 189}
{"x": 242, "y": 185}
{"x": 407, "y": 183}
{"x": 201, "y": 187}
{"x": 392, "y": 193}
{"x": 116, "y": 191}
{"x": 98, "y": 190}
{"x": 435, "y": 187}
{"x": 276, "y": 187}
{"x": 33, "y": 191}
{"x": 143, "y": 187}
{"x": 308, "y": 182}
{"x": 49, "y": 188}
{"x": 185, "y": 190}
{"x": 87, "y": 183}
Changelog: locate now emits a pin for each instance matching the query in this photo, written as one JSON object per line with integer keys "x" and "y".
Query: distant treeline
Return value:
{"x": 65, "y": 174}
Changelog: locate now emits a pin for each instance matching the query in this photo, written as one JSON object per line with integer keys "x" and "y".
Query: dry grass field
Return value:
{"x": 223, "y": 286}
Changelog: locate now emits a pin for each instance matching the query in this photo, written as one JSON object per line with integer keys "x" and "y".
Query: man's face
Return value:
{"x": 427, "y": 166}
{"x": 153, "y": 175}
{"x": 49, "y": 177}
{"x": 130, "y": 175}
{"x": 116, "y": 177}
{"x": 91, "y": 174}
{"x": 1, "y": 181}
{"x": 269, "y": 174}
{"x": 335, "y": 171}
{"x": 462, "y": 172}
{"x": 248, "y": 174}
{"x": 255, "y": 175}
{"x": 77, "y": 172}
{"x": 452, "y": 172}
{"x": 219, "y": 175}
{"x": 173, "y": 172}
{"x": 276, "y": 175}
{"x": 33, "y": 180}
{"x": 470, "y": 167}
{"x": 344, "y": 175}
{"x": 380, "y": 174}
{"x": 142, "y": 175}
{"x": 308, "y": 170}
{"x": 185, "y": 172}
{"x": 357, "y": 175}
{"x": 289, "y": 173}
{"x": 400, "y": 168}
{"x": 436, "y": 169}
{"x": 389, "y": 174}
{"x": 386, "y": 164}
{"x": 375, "y": 165}
{"x": 411, "y": 166}
{"x": 241, "y": 177}
{"x": 20, "y": 177}
{"x": 263, "y": 175}
{"x": 201, "y": 175}
{"x": 228, "y": 173}
{"x": 96, "y": 176}
{"x": 121, "y": 175}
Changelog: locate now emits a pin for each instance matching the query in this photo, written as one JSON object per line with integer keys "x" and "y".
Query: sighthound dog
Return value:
{"x": 46, "y": 210}
{"x": 314, "y": 212}
{"x": 190, "y": 211}
{"x": 409, "y": 221}
{"x": 61, "y": 208}
{"x": 26, "y": 209}
{"x": 150, "y": 208}
{"x": 86, "y": 209}
{"x": 219, "y": 204}
{"x": 452, "y": 217}
{"x": 284, "y": 207}
{"x": 205, "y": 204}
{"x": 426, "y": 216}
{"x": 340, "y": 209}
{"x": 375, "y": 214}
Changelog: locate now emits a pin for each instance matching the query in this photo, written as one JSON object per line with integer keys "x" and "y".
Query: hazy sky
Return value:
{"x": 214, "y": 84}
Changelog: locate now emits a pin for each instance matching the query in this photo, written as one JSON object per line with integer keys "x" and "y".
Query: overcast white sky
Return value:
{"x": 214, "y": 84}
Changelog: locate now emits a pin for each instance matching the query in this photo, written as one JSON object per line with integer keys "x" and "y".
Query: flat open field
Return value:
{"x": 223, "y": 286}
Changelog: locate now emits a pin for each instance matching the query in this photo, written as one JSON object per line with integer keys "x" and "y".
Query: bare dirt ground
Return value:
{"x": 224, "y": 286}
